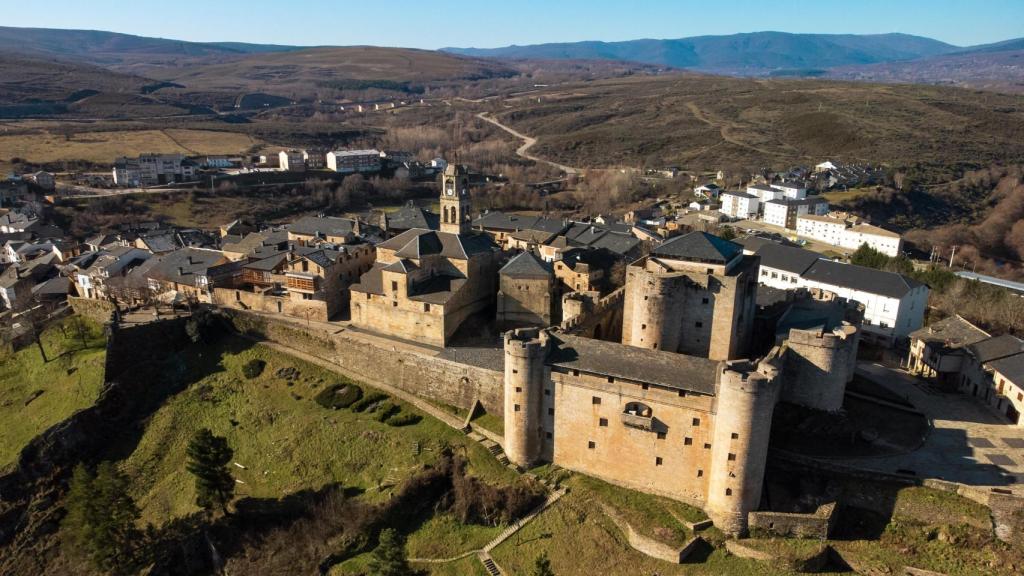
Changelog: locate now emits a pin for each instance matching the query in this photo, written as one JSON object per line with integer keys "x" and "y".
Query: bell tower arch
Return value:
{"x": 455, "y": 203}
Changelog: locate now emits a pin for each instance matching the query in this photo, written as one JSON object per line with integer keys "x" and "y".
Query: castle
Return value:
{"x": 670, "y": 401}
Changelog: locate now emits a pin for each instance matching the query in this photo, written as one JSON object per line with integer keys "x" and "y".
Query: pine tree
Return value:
{"x": 102, "y": 519}
{"x": 542, "y": 566}
{"x": 208, "y": 459}
{"x": 389, "y": 555}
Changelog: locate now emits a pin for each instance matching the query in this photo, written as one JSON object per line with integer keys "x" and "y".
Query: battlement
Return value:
{"x": 839, "y": 337}
{"x": 525, "y": 340}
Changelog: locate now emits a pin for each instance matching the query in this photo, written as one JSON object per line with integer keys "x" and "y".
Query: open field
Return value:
{"x": 103, "y": 147}
{"x": 733, "y": 123}
{"x": 285, "y": 440}
{"x": 36, "y": 394}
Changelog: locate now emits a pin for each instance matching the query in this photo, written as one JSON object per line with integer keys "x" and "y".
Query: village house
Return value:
{"x": 837, "y": 232}
{"x": 190, "y": 272}
{"x": 784, "y": 212}
{"x": 291, "y": 160}
{"x": 709, "y": 191}
{"x": 939, "y": 351}
{"x": 792, "y": 190}
{"x": 315, "y": 230}
{"x": 353, "y": 161}
{"x": 91, "y": 271}
{"x": 18, "y": 280}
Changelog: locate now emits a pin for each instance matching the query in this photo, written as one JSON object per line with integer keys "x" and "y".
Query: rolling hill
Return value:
{"x": 752, "y": 54}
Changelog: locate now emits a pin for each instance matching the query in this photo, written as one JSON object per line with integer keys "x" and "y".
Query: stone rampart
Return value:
{"x": 368, "y": 358}
{"x": 817, "y": 525}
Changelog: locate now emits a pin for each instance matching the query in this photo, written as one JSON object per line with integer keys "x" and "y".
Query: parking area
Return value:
{"x": 968, "y": 443}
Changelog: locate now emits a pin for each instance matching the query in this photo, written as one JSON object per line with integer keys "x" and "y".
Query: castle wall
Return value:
{"x": 525, "y": 302}
{"x": 525, "y": 389}
{"x": 818, "y": 367}
{"x": 745, "y": 402}
{"x": 587, "y": 409}
{"x": 246, "y": 300}
{"x": 373, "y": 359}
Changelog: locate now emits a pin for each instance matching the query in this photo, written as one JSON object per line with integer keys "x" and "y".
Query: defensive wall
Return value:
{"x": 361, "y": 356}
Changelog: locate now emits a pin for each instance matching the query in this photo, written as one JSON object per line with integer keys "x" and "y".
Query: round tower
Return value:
{"x": 654, "y": 301}
{"x": 818, "y": 367}
{"x": 525, "y": 352}
{"x": 743, "y": 420}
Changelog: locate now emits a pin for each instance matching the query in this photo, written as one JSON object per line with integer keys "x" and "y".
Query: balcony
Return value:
{"x": 638, "y": 415}
{"x": 302, "y": 282}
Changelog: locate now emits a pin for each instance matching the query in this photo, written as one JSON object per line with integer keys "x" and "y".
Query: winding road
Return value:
{"x": 528, "y": 141}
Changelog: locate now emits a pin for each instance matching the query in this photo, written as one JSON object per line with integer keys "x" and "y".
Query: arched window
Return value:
{"x": 638, "y": 409}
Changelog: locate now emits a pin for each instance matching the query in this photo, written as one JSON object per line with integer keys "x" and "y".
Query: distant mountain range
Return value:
{"x": 873, "y": 57}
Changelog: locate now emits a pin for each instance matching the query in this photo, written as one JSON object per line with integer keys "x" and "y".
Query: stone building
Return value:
{"x": 426, "y": 283}
{"x": 527, "y": 293}
{"x": 695, "y": 294}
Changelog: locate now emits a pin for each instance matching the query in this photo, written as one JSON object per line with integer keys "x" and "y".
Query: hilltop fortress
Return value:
{"x": 652, "y": 386}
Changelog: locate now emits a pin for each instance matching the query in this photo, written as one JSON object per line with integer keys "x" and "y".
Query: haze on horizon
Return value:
{"x": 457, "y": 23}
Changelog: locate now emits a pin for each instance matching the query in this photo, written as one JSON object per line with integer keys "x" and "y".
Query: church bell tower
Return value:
{"x": 455, "y": 216}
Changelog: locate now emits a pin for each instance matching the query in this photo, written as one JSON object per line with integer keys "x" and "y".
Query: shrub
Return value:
{"x": 253, "y": 368}
{"x": 403, "y": 419}
{"x": 368, "y": 400}
{"x": 339, "y": 396}
{"x": 385, "y": 411}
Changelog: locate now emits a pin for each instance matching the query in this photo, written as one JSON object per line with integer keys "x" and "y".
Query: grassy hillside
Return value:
{"x": 36, "y": 393}
{"x": 713, "y": 122}
{"x": 286, "y": 441}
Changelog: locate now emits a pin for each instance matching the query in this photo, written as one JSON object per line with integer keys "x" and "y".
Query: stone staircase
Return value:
{"x": 489, "y": 564}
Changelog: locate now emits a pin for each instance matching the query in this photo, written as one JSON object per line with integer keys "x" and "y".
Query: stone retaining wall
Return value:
{"x": 96, "y": 310}
{"x": 370, "y": 359}
{"x": 817, "y": 525}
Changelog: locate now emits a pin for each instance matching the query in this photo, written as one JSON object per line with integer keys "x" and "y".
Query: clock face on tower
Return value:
{"x": 449, "y": 189}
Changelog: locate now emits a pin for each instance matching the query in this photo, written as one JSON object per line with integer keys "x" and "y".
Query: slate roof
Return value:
{"x": 496, "y": 220}
{"x": 1011, "y": 367}
{"x": 861, "y": 278}
{"x": 326, "y": 226}
{"x": 996, "y": 347}
{"x": 737, "y": 193}
{"x": 787, "y": 258}
{"x": 667, "y": 369}
{"x": 262, "y": 243}
{"x": 458, "y": 246}
{"x": 268, "y": 263}
{"x": 159, "y": 243}
{"x": 411, "y": 216}
{"x": 874, "y": 230}
{"x": 953, "y": 332}
{"x": 192, "y": 262}
{"x": 620, "y": 244}
{"x": 372, "y": 281}
{"x": 526, "y": 265}
{"x": 699, "y": 247}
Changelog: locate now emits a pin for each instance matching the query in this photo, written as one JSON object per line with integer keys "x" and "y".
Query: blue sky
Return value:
{"x": 490, "y": 23}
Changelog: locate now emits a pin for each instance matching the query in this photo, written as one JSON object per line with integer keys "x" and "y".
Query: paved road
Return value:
{"x": 968, "y": 443}
{"x": 528, "y": 141}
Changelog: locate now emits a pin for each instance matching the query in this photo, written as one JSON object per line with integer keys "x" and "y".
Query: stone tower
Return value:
{"x": 525, "y": 352}
{"x": 455, "y": 203}
{"x": 818, "y": 366}
{"x": 745, "y": 402}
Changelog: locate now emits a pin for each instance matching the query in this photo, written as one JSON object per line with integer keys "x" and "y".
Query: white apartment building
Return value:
{"x": 765, "y": 193}
{"x": 153, "y": 170}
{"x": 291, "y": 161}
{"x": 738, "y": 205}
{"x": 792, "y": 190}
{"x": 349, "y": 161}
{"x": 834, "y": 231}
{"x": 821, "y": 228}
{"x": 894, "y": 305}
{"x": 784, "y": 212}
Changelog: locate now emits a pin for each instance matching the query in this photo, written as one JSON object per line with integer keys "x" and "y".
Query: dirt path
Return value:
{"x": 724, "y": 130}
{"x": 528, "y": 141}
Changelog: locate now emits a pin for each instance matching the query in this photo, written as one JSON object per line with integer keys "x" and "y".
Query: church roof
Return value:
{"x": 410, "y": 244}
{"x": 526, "y": 265}
{"x": 699, "y": 246}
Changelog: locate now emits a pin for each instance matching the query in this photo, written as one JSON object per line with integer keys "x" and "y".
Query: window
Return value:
{"x": 775, "y": 275}
{"x": 696, "y": 421}
{"x": 643, "y": 326}
{"x": 698, "y": 324}
{"x": 700, "y": 473}
{"x": 595, "y": 400}
{"x": 547, "y": 435}
{"x": 707, "y": 446}
{"x": 591, "y": 445}
{"x": 575, "y": 372}
{"x": 704, "y": 300}
{"x": 394, "y": 304}
{"x": 732, "y": 457}
{"x": 687, "y": 441}
{"x": 657, "y": 461}
{"x": 394, "y": 286}
{"x": 764, "y": 272}
{"x": 728, "y": 491}
{"x": 426, "y": 307}
{"x": 661, "y": 435}
{"x": 547, "y": 392}
{"x": 519, "y": 389}
{"x": 602, "y": 422}
{"x": 515, "y": 371}
{"x": 735, "y": 436}
{"x": 611, "y": 379}
{"x": 515, "y": 408}
{"x": 711, "y": 270}
{"x": 682, "y": 393}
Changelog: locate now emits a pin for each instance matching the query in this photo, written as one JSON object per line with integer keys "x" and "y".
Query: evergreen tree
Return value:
{"x": 208, "y": 459}
{"x": 542, "y": 566}
{"x": 102, "y": 519}
{"x": 389, "y": 555}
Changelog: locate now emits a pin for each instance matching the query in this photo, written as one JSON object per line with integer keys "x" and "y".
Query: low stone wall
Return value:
{"x": 812, "y": 563}
{"x": 370, "y": 359}
{"x": 96, "y": 310}
{"x": 1007, "y": 509}
{"x": 817, "y": 525}
{"x": 650, "y": 546}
